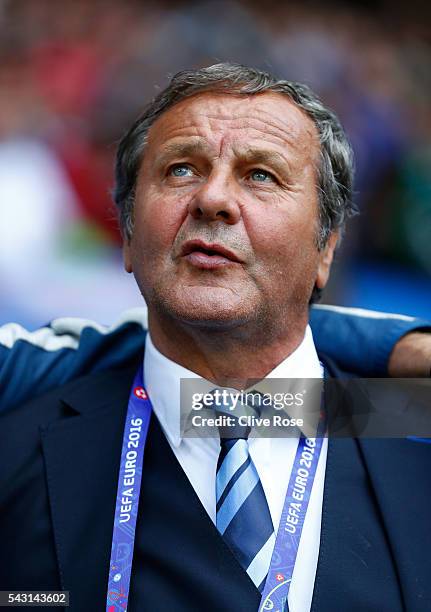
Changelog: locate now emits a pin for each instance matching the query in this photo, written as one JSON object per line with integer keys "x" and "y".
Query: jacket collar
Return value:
{"x": 163, "y": 382}
{"x": 81, "y": 455}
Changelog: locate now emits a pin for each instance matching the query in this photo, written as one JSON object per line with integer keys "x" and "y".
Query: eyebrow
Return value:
{"x": 199, "y": 147}
{"x": 181, "y": 149}
{"x": 262, "y": 156}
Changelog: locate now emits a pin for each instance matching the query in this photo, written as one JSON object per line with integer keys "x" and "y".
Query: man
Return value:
{"x": 233, "y": 189}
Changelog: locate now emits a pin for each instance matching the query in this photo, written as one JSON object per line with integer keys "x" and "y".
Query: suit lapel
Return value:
{"x": 81, "y": 457}
{"x": 355, "y": 569}
{"x": 335, "y": 536}
{"x": 400, "y": 473}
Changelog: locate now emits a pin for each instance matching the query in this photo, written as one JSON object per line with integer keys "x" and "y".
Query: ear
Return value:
{"x": 326, "y": 257}
{"x": 127, "y": 256}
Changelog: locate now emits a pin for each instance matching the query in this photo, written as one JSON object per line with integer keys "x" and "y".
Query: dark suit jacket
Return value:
{"x": 59, "y": 461}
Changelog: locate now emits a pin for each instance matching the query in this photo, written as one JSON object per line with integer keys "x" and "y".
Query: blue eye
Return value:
{"x": 180, "y": 171}
{"x": 261, "y": 176}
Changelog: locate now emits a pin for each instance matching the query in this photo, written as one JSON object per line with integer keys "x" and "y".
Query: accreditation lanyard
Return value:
{"x": 129, "y": 486}
{"x": 278, "y": 581}
{"x": 274, "y": 596}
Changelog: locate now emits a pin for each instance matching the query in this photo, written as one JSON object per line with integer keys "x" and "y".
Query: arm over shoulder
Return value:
{"x": 361, "y": 341}
{"x": 32, "y": 363}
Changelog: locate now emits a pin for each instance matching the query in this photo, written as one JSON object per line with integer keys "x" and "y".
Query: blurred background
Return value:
{"x": 74, "y": 74}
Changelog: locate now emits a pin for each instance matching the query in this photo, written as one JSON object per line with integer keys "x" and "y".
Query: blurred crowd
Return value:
{"x": 73, "y": 75}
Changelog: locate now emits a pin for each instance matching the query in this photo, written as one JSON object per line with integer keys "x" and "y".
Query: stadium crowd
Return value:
{"x": 74, "y": 74}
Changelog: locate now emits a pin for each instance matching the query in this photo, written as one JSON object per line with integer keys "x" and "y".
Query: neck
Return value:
{"x": 229, "y": 358}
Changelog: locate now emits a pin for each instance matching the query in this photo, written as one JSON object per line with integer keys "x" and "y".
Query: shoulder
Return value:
{"x": 81, "y": 396}
{"x": 99, "y": 397}
{"x": 332, "y": 368}
{"x": 32, "y": 363}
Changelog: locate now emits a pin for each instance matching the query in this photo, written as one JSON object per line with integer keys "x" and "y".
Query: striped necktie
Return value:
{"x": 243, "y": 517}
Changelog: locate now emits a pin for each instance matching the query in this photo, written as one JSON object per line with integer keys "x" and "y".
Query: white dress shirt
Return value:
{"x": 198, "y": 456}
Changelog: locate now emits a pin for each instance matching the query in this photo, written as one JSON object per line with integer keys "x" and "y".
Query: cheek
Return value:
{"x": 158, "y": 219}
{"x": 286, "y": 254}
{"x": 281, "y": 235}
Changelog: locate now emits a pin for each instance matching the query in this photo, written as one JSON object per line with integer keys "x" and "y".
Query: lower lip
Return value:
{"x": 208, "y": 262}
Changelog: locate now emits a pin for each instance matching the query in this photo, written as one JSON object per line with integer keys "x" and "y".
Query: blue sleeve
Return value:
{"x": 360, "y": 340}
{"x": 32, "y": 363}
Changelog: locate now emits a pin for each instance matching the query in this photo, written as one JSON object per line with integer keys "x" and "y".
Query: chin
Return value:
{"x": 207, "y": 308}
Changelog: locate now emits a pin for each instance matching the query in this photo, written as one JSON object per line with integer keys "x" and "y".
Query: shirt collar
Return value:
{"x": 163, "y": 377}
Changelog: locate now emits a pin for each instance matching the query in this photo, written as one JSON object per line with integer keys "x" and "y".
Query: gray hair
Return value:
{"x": 335, "y": 171}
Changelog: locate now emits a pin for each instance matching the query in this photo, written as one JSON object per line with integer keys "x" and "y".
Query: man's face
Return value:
{"x": 226, "y": 212}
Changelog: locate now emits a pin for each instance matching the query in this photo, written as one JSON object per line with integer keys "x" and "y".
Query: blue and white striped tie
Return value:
{"x": 243, "y": 517}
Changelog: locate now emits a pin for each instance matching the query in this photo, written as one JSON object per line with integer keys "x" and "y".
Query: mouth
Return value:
{"x": 208, "y": 256}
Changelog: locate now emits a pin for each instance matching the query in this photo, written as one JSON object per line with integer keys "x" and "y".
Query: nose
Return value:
{"x": 216, "y": 200}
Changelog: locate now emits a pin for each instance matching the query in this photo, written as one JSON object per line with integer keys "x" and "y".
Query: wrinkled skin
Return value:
{"x": 239, "y": 172}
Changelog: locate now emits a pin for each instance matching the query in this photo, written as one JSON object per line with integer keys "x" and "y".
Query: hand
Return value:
{"x": 411, "y": 356}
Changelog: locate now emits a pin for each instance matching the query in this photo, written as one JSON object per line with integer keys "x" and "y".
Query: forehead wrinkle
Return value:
{"x": 282, "y": 132}
{"x": 282, "y": 125}
{"x": 281, "y": 129}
